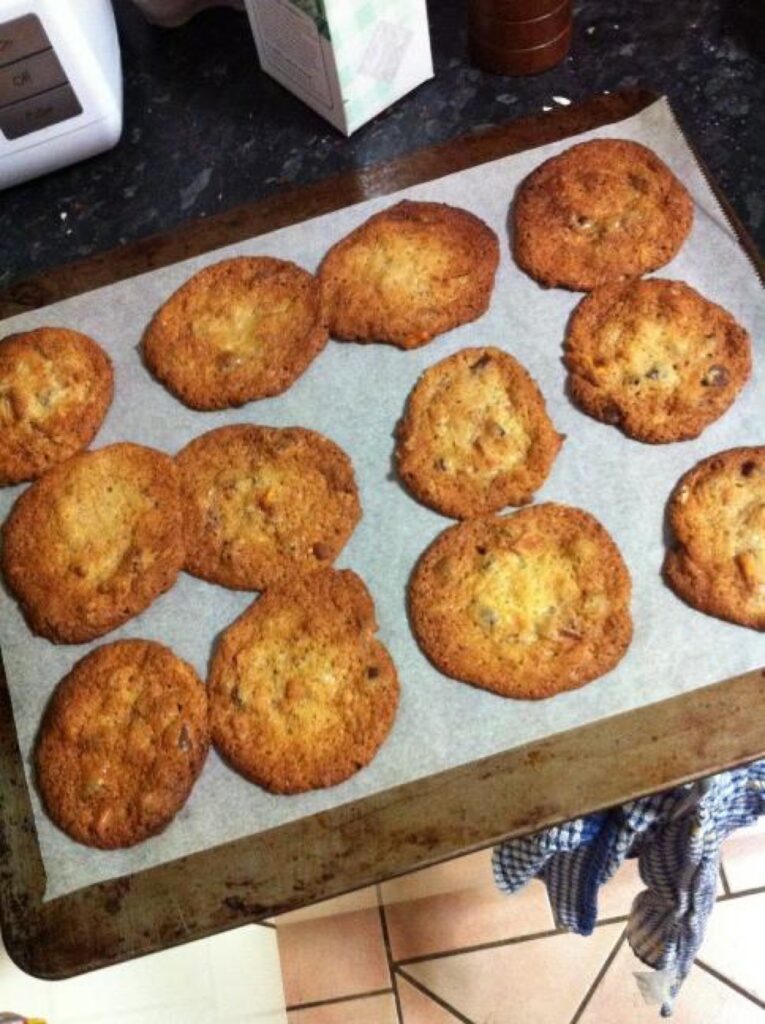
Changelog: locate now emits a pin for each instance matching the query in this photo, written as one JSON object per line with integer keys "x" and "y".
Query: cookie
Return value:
{"x": 94, "y": 541}
{"x": 601, "y": 211}
{"x": 717, "y": 517}
{"x": 476, "y": 435}
{"x": 239, "y": 330}
{"x": 262, "y": 503}
{"x": 55, "y": 388}
{"x": 526, "y": 605}
{"x": 655, "y": 358}
{"x": 121, "y": 743}
{"x": 302, "y": 694}
{"x": 409, "y": 273}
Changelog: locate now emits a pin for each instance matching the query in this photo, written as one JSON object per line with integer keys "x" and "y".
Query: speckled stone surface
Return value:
{"x": 205, "y": 130}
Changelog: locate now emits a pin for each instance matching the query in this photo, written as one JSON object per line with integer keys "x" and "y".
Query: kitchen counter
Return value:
{"x": 205, "y": 130}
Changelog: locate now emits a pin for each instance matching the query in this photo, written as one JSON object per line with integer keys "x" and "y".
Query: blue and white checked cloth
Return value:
{"x": 676, "y": 837}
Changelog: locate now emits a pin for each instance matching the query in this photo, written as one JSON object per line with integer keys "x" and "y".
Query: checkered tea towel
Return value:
{"x": 676, "y": 837}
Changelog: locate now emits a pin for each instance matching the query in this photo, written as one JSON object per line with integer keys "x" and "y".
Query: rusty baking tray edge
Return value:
{"x": 412, "y": 825}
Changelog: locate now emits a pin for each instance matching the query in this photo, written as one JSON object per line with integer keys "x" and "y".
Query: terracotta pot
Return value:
{"x": 519, "y": 35}
{"x": 529, "y": 61}
{"x": 514, "y": 10}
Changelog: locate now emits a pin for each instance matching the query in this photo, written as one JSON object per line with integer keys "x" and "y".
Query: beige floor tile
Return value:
{"x": 417, "y": 1008}
{"x": 466, "y": 917}
{"x": 743, "y": 858}
{"x": 362, "y": 899}
{"x": 330, "y": 957}
{"x": 542, "y": 980}
{"x": 371, "y": 1010}
{"x": 466, "y": 872}
{"x": 734, "y": 944}
{"x": 702, "y": 999}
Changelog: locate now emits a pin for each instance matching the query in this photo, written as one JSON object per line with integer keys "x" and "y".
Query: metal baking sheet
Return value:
{"x": 355, "y": 394}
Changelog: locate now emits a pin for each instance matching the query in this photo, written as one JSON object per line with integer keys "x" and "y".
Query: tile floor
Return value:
{"x": 439, "y": 946}
{"x": 442, "y": 945}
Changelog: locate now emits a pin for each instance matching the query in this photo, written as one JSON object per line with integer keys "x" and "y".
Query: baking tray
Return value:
{"x": 409, "y": 826}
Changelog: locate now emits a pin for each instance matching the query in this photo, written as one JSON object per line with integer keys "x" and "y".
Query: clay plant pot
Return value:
{"x": 526, "y": 61}
{"x": 514, "y": 10}
{"x": 493, "y": 30}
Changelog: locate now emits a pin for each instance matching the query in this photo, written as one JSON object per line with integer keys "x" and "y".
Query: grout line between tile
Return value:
{"x": 598, "y": 978}
{"x": 731, "y": 984}
{"x": 724, "y": 879}
{"x": 388, "y": 952}
{"x": 496, "y": 943}
{"x": 618, "y": 919}
{"x": 756, "y": 891}
{"x": 396, "y": 965}
{"x": 294, "y": 1007}
{"x": 436, "y": 998}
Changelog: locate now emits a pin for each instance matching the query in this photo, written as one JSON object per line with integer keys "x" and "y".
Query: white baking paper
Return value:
{"x": 355, "y": 394}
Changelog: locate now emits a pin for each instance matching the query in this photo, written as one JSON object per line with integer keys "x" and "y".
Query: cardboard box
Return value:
{"x": 347, "y": 59}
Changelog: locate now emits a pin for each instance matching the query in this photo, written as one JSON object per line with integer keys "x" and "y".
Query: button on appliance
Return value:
{"x": 21, "y": 37}
{"x": 38, "y": 112}
{"x": 29, "y": 76}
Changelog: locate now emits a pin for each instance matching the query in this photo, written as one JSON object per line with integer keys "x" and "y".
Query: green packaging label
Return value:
{"x": 315, "y": 10}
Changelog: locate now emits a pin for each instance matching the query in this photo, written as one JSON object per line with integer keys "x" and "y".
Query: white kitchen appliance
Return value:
{"x": 60, "y": 84}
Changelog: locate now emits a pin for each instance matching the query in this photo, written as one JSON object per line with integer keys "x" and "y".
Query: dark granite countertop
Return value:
{"x": 205, "y": 130}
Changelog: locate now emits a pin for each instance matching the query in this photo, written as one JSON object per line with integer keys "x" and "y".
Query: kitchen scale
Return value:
{"x": 60, "y": 84}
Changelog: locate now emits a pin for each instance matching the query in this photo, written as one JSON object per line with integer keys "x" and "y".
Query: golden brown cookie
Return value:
{"x": 302, "y": 694}
{"x": 55, "y": 388}
{"x": 121, "y": 743}
{"x": 717, "y": 516}
{"x": 241, "y": 329}
{"x": 94, "y": 541}
{"x": 600, "y": 211}
{"x": 262, "y": 503}
{"x": 527, "y": 605}
{"x": 655, "y": 358}
{"x": 476, "y": 435}
{"x": 409, "y": 273}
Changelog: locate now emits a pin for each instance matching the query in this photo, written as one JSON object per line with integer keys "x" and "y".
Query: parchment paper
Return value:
{"x": 355, "y": 394}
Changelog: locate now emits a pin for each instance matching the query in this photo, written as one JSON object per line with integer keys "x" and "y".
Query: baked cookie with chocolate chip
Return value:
{"x": 601, "y": 211}
{"x": 717, "y": 516}
{"x": 409, "y": 273}
{"x": 655, "y": 358}
{"x": 262, "y": 503}
{"x": 239, "y": 330}
{"x": 476, "y": 435}
{"x": 94, "y": 541}
{"x": 302, "y": 693}
{"x": 56, "y": 386}
{"x": 526, "y": 605}
{"x": 121, "y": 744}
